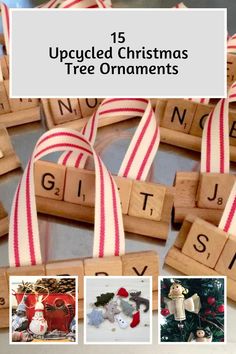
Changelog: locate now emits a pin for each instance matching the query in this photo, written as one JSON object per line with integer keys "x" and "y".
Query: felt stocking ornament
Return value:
{"x": 135, "y": 320}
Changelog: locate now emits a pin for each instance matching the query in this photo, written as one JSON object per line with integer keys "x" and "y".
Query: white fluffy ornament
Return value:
{"x": 38, "y": 325}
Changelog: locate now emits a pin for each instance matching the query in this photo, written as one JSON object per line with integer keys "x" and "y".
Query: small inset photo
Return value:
{"x": 192, "y": 310}
{"x": 43, "y": 310}
{"x": 118, "y": 310}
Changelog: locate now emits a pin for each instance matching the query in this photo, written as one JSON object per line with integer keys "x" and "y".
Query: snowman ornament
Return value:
{"x": 121, "y": 321}
{"x": 38, "y": 325}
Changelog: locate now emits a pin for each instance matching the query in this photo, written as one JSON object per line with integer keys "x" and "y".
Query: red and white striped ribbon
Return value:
{"x": 215, "y": 136}
{"x": 231, "y": 44}
{"x": 89, "y": 4}
{"x": 143, "y": 146}
{"x": 200, "y": 100}
{"x": 6, "y": 24}
{"x": 228, "y": 219}
{"x": 24, "y": 242}
{"x": 52, "y": 4}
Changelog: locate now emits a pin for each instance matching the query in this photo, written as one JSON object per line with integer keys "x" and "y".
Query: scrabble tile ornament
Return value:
{"x": 8, "y": 158}
{"x": 201, "y": 247}
{"x": 67, "y": 189}
{"x": 205, "y": 193}
{"x": 108, "y": 250}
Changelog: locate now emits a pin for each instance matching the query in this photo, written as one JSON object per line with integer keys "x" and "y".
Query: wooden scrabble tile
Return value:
{"x": 124, "y": 186}
{"x": 185, "y": 264}
{"x": 4, "y": 318}
{"x": 146, "y": 200}
{"x": 231, "y": 68}
{"x": 103, "y": 266}
{"x": 232, "y": 127}
{"x": 199, "y": 119}
{"x": 27, "y": 270}
{"x": 19, "y": 104}
{"x": 186, "y": 184}
{"x": 4, "y": 292}
{"x": 204, "y": 242}
{"x": 4, "y": 102}
{"x": 226, "y": 264}
{"x": 184, "y": 230}
{"x": 89, "y": 105}
{"x": 4, "y": 67}
{"x": 68, "y": 267}
{"x": 64, "y": 109}
{"x": 142, "y": 263}
{"x": 49, "y": 179}
{"x": 10, "y": 160}
{"x": 80, "y": 186}
{"x": 179, "y": 115}
{"x": 1, "y": 154}
{"x": 160, "y": 110}
{"x": 214, "y": 190}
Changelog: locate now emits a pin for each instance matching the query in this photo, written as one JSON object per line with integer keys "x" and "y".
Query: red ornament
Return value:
{"x": 211, "y": 300}
{"x": 165, "y": 312}
{"x": 207, "y": 312}
{"x": 135, "y": 319}
{"x": 221, "y": 308}
{"x": 122, "y": 292}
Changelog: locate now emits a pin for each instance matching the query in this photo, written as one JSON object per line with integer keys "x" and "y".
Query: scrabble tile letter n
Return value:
{"x": 64, "y": 110}
{"x": 179, "y": 115}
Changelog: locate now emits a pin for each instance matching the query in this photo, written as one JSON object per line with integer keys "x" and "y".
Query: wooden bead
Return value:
{"x": 124, "y": 186}
{"x": 214, "y": 190}
{"x": 147, "y": 200}
{"x": 64, "y": 109}
{"x": 142, "y": 263}
{"x": 179, "y": 115}
{"x": 103, "y": 266}
{"x": 186, "y": 184}
{"x": 226, "y": 264}
{"x": 89, "y": 105}
{"x": 204, "y": 242}
{"x": 4, "y": 289}
{"x": 199, "y": 119}
{"x": 19, "y": 104}
{"x": 49, "y": 179}
{"x": 80, "y": 186}
{"x": 68, "y": 267}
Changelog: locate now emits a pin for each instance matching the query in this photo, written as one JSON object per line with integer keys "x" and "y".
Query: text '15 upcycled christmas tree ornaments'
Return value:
{"x": 122, "y": 308}
{"x": 192, "y": 310}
